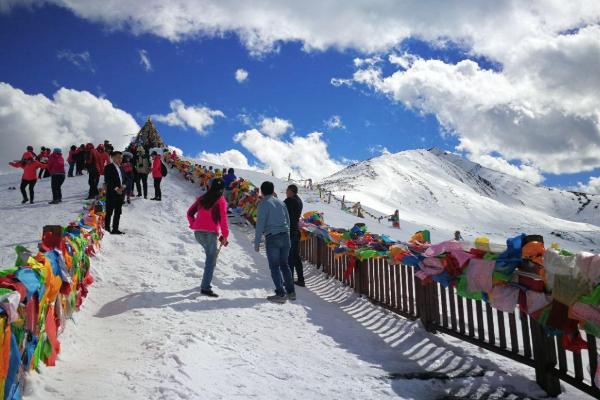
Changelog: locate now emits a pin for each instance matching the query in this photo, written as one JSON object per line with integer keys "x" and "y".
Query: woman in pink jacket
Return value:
{"x": 207, "y": 218}
{"x": 157, "y": 174}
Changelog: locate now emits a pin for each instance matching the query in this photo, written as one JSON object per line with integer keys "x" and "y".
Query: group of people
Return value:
{"x": 277, "y": 221}
{"x": 134, "y": 166}
{"x": 50, "y": 164}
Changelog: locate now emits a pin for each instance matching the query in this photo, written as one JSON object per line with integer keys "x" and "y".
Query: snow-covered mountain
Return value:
{"x": 445, "y": 192}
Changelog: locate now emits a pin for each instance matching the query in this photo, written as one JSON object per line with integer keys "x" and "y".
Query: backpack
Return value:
{"x": 163, "y": 169}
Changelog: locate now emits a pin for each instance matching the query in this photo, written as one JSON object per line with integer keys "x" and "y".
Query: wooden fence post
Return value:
{"x": 329, "y": 200}
{"x": 544, "y": 358}
{"x": 319, "y": 252}
{"x": 426, "y": 304}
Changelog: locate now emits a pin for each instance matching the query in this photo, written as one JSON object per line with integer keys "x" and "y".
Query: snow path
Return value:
{"x": 143, "y": 333}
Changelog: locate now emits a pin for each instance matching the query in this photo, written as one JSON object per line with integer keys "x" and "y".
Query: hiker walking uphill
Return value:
{"x": 115, "y": 191}
{"x": 294, "y": 207}
{"x": 158, "y": 172}
{"x": 142, "y": 169}
{"x": 207, "y": 218}
{"x": 56, "y": 167}
{"x": 274, "y": 222}
{"x": 29, "y": 178}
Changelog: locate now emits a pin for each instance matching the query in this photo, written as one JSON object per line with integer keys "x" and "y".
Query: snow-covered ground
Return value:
{"x": 144, "y": 334}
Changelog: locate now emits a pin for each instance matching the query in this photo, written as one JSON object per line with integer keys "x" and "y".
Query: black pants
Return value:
{"x": 31, "y": 185}
{"x": 79, "y": 168}
{"x": 114, "y": 205}
{"x": 93, "y": 180}
{"x": 141, "y": 182}
{"x": 294, "y": 259}
{"x": 157, "y": 192}
{"x": 56, "y": 182}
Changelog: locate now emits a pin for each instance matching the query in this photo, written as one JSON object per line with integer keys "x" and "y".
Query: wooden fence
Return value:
{"x": 440, "y": 309}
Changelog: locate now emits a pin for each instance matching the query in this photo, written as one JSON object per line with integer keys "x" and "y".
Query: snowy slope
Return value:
{"x": 143, "y": 333}
{"x": 443, "y": 192}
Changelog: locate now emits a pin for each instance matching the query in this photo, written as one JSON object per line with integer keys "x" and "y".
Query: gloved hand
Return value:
{"x": 223, "y": 241}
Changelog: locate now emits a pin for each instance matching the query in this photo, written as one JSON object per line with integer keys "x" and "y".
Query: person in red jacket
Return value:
{"x": 30, "y": 166}
{"x": 56, "y": 167}
{"x": 71, "y": 160}
{"x": 91, "y": 162}
{"x": 157, "y": 175}
{"x": 103, "y": 159}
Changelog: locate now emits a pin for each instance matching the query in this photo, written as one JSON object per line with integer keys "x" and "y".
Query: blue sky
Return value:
{"x": 291, "y": 83}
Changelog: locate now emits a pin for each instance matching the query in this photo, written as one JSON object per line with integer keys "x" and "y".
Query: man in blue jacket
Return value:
{"x": 228, "y": 179}
{"x": 274, "y": 222}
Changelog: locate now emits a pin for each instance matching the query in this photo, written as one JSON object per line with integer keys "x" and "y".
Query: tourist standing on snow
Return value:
{"x": 103, "y": 158}
{"x": 207, "y": 218}
{"x": 80, "y": 160}
{"x": 43, "y": 158}
{"x": 56, "y": 168}
{"x": 274, "y": 222}
{"x": 458, "y": 237}
{"x": 71, "y": 160}
{"x": 395, "y": 218}
{"x": 294, "y": 208}
{"x": 115, "y": 191}
{"x": 127, "y": 167}
{"x": 142, "y": 169}
{"x": 29, "y": 178}
{"x": 228, "y": 179}
{"x": 157, "y": 174}
{"x": 91, "y": 163}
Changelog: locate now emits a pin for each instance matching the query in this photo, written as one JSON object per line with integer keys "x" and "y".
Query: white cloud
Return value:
{"x": 197, "y": 117}
{"x": 334, "y": 122}
{"x": 592, "y": 186}
{"x": 275, "y": 127}
{"x": 81, "y": 60}
{"x": 545, "y": 93}
{"x": 145, "y": 60}
{"x": 241, "y": 75}
{"x": 231, "y": 158}
{"x": 379, "y": 150}
{"x": 303, "y": 156}
{"x": 364, "y": 25}
{"x": 69, "y": 117}
{"x": 526, "y": 172}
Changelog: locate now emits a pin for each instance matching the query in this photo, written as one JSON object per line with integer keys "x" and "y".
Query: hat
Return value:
{"x": 29, "y": 148}
{"x": 57, "y": 150}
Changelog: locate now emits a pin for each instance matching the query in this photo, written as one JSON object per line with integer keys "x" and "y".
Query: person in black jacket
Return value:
{"x": 114, "y": 179}
{"x": 294, "y": 207}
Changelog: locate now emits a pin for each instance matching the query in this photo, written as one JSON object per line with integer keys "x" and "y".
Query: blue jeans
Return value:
{"x": 208, "y": 241}
{"x": 278, "y": 250}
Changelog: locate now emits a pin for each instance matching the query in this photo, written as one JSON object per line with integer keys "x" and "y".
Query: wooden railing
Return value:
{"x": 513, "y": 335}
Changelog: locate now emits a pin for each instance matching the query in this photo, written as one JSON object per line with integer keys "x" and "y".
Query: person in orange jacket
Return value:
{"x": 29, "y": 178}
